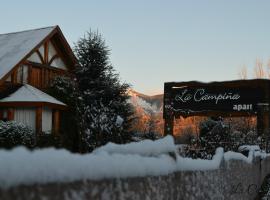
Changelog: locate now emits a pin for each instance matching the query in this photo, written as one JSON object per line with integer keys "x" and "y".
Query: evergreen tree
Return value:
{"x": 104, "y": 97}
{"x": 65, "y": 89}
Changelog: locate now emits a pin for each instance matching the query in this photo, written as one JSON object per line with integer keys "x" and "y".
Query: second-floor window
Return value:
{"x": 22, "y": 74}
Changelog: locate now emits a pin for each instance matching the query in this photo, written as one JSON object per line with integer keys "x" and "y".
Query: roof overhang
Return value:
{"x": 32, "y": 104}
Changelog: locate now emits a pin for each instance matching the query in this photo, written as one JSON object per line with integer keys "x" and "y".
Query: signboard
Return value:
{"x": 229, "y": 98}
{"x": 187, "y": 99}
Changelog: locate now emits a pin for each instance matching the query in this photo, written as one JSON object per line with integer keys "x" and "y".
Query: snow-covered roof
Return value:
{"x": 27, "y": 93}
{"x": 15, "y": 46}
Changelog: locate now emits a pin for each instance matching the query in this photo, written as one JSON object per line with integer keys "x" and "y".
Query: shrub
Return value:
{"x": 13, "y": 134}
{"x": 219, "y": 133}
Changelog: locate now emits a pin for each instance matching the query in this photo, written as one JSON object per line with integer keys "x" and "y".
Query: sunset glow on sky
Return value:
{"x": 156, "y": 41}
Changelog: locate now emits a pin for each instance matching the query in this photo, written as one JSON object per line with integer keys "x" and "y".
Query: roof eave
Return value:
{"x": 33, "y": 104}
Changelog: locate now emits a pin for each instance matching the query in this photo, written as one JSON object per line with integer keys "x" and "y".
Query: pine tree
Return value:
{"x": 65, "y": 89}
{"x": 104, "y": 97}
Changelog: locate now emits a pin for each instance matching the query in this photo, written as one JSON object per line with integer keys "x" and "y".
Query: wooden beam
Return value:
{"x": 56, "y": 122}
{"x": 66, "y": 49}
{"x": 39, "y": 65}
{"x": 61, "y": 53}
{"x": 1, "y": 114}
{"x": 10, "y": 114}
{"x": 40, "y": 56}
{"x": 168, "y": 115}
{"x": 29, "y": 79}
{"x": 14, "y": 76}
{"x": 46, "y": 52}
{"x": 32, "y": 104}
{"x": 168, "y": 126}
{"x": 263, "y": 119}
{"x": 39, "y": 120}
{"x": 52, "y": 59}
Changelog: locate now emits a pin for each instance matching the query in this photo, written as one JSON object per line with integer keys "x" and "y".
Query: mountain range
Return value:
{"x": 149, "y": 115}
{"x": 150, "y": 104}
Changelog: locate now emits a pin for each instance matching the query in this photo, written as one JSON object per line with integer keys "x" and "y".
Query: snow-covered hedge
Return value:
{"x": 146, "y": 158}
{"x": 13, "y": 134}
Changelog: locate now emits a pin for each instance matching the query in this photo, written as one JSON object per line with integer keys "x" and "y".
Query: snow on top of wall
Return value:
{"x": 15, "y": 46}
{"x": 200, "y": 164}
{"x": 144, "y": 148}
{"x": 249, "y": 148}
{"x": 22, "y": 166}
{"x": 27, "y": 93}
{"x": 238, "y": 156}
{"x": 254, "y": 151}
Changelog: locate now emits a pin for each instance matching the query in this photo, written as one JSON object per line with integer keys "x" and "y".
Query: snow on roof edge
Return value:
{"x": 34, "y": 29}
{"x": 15, "y": 46}
{"x": 28, "y": 93}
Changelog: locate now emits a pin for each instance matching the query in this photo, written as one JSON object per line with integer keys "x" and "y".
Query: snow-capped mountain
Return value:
{"x": 148, "y": 112}
{"x": 149, "y": 104}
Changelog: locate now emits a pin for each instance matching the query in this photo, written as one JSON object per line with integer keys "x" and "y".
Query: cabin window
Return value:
{"x": 35, "y": 58}
{"x": 22, "y": 74}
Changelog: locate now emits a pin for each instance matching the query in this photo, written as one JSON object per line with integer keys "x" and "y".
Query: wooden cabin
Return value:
{"x": 29, "y": 60}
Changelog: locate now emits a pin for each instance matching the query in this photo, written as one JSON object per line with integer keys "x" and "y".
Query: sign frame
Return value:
{"x": 260, "y": 97}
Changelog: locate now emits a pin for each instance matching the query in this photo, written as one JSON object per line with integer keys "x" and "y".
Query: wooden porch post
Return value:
{"x": 56, "y": 122}
{"x": 263, "y": 119}
{"x": 168, "y": 126}
{"x": 168, "y": 113}
{"x": 10, "y": 114}
{"x": 39, "y": 120}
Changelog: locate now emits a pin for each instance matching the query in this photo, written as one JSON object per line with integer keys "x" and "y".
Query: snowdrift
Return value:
{"x": 145, "y": 158}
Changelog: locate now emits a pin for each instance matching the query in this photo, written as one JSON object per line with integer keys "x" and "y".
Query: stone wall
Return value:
{"x": 233, "y": 180}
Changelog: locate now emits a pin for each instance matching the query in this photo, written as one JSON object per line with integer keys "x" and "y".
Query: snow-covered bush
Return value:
{"x": 206, "y": 126}
{"x": 216, "y": 133}
{"x": 13, "y": 134}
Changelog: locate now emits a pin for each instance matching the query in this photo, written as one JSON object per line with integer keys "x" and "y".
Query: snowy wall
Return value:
{"x": 139, "y": 175}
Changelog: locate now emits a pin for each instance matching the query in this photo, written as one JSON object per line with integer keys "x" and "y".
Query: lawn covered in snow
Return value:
{"x": 145, "y": 158}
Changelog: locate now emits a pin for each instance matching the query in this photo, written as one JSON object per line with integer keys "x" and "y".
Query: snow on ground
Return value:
{"x": 146, "y": 158}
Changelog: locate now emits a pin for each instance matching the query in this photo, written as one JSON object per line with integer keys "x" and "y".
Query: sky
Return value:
{"x": 156, "y": 41}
